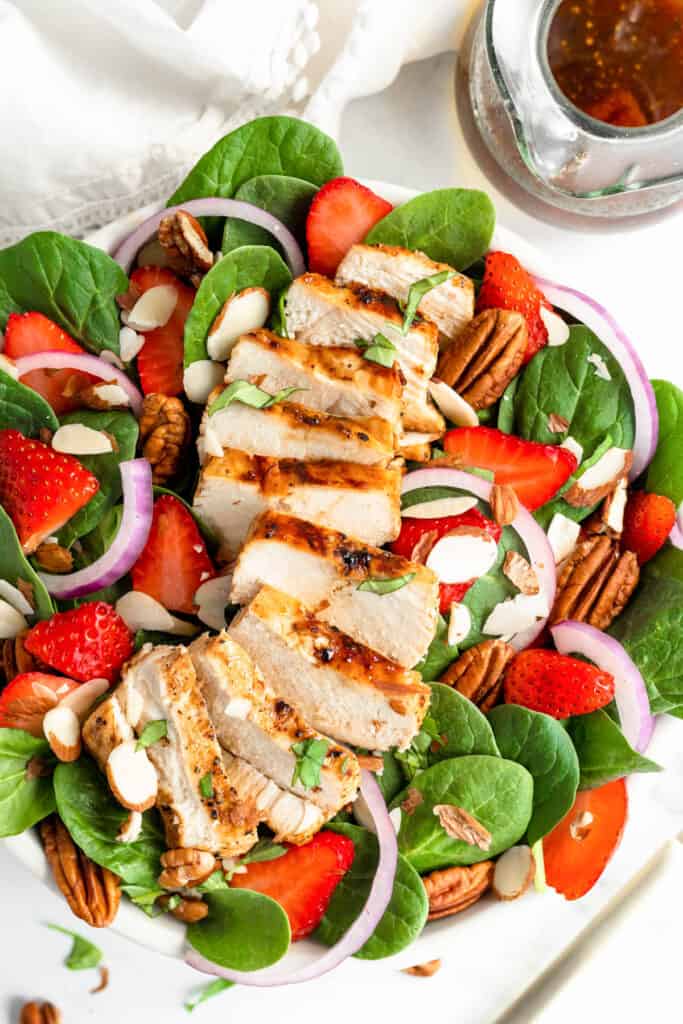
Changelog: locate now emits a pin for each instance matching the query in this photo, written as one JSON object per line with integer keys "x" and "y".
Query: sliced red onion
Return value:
{"x": 125, "y": 549}
{"x": 540, "y": 553}
{"x": 607, "y": 653}
{"x": 676, "y": 535}
{"x": 86, "y": 364}
{"x": 602, "y": 323}
{"x": 361, "y": 929}
{"x": 213, "y": 206}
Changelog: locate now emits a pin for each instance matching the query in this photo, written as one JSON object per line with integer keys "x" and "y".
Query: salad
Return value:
{"x": 341, "y": 568}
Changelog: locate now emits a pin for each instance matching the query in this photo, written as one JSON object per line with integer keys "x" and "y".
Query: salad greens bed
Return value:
{"x": 515, "y": 770}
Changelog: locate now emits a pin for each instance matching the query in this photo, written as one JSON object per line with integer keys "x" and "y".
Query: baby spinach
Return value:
{"x": 665, "y": 473}
{"x": 23, "y": 409}
{"x": 71, "y": 282}
{"x": 391, "y": 780}
{"x": 506, "y": 407}
{"x": 83, "y": 954}
{"x": 496, "y": 792}
{"x": 206, "y": 992}
{"x": 451, "y": 225}
{"x": 604, "y": 752}
{"x": 539, "y": 743}
{"x": 404, "y": 918}
{"x": 243, "y": 930}
{"x": 440, "y": 653}
{"x": 26, "y": 794}
{"x": 250, "y": 265}
{"x": 460, "y": 725}
{"x": 285, "y": 197}
{"x": 14, "y": 566}
{"x": 267, "y": 145}
{"x": 93, "y": 818}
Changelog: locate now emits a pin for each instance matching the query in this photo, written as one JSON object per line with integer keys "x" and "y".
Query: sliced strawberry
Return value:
{"x": 648, "y": 521}
{"x": 556, "y": 684}
{"x": 341, "y": 214}
{"x": 174, "y": 561}
{"x": 302, "y": 880}
{"x": 28, "y": 333}
{"x": 90, "y": 642}
{"x": 160, "y": 360}
{"x": 507, "y": 285}
{"x": 577, "y": 850}
{"x": 28, "y": 697}
{"x": 40, "y": 488}
{"x": 536, "y": 471}
{"x": 413, "y": 530}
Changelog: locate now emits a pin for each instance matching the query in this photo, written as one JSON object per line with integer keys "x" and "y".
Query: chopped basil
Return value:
{"x": 379, "y": 585}
{"x": 83, "y": 954}
{"x": 263, "y": 850}
{"x": 206, "y": 786}
{"x": 417, "y": 291}
{"x": 249, "y": 394}
{"x": 152, "y": 732}
{"x": 208, "y": 991}
{"x": 310, "y": 755}
{"x": 380, "y": 350}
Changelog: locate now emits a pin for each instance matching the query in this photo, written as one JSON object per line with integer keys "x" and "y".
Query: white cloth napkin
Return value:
{"x": 104, "y": 106}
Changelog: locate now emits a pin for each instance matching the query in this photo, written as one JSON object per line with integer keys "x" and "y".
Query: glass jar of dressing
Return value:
{"x": 581, "y": 101}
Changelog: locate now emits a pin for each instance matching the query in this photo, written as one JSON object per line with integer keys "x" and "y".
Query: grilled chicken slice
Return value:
{"x": 288, "y": 430}
{"x": 292, "y": 818}
{"x": 255, "y": 724}
{"x": 339, "y": 686}
{"x": 363, "y": 501}
{"x": 392, "y": 269}
{"x": 323, "y": 568}
{"x": 322, "y": 313}
{"x": 338, "y": 381}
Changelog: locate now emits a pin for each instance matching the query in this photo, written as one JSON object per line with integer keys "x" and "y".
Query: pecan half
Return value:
{"x": 426, "y": 970}
{"x": 595, "y": 583}
{"x": 53, "y": 557}
{"x": 478, "y": 673}
{"x": 454, "y": 889}
{"x": 185, "y": 867}
{"x": 504, "y": 504}
{"x": 460, "y": 824}
{"x": 187, "y": 910}
{"x": 480, "y": 363}
{"x": 186, "y": 244}
{"x": 92, "y": 892}
{"x": 165, "y": 434}
{"x": 40, "y": 1013}
{"x": 15, "y": 659}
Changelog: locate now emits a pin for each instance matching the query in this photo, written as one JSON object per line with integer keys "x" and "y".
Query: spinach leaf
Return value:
{"x": 123, "y": 427}
{"x": 539, "y": 743}
{"x": 665, "y": 473}
{"x": 604, "y": 752}
{"x": 391, "y": 781}
{"x": 243, "y": 930}
{"x": 423, "y": 494}
{"x": 145, "y": 898}
{"x": 267, "y": 145}
{"x": 460, "y": 725}
{"x": 262, "y": 851}
{"x": 452, "y": 225}
{"x": 14, "y": 566}
{"x": 71, "y": 282}
{"x": 205, "y": 992}
{"x": 404, "y": 918}
{"x": 496, "y": 792}
{"x": 83, "y": 954}
{"x": 23, "y": 409}
{"x": 93, "y": 819}
{"x": 506, "y": 407}
{"x": 440, "y": 653}
{"x": 26, "y": 796}
{"x": 285, "y": 197}
{"x": 250, "y": 265}
{"x": 667, "y": 564}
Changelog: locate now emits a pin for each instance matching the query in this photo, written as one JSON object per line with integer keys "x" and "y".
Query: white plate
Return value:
{"x": 523, "y": 939}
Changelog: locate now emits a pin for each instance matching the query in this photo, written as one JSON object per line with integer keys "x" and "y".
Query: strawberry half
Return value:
{"x": 648, "y": 521}
{"x": 40, "y": 488}
{"x": 536, "y": 471}
{"x": 29, "y": 333}
{"x": 507, "y": 285}
{"x": 413, "y": 530}
{"x": 160, "y": 360}
{"x": 90, "y": 642}
{"x": 302, "y": 880}
{"x": 174, "y": 561}
{"x": 556, "y": 684}
{"x": 28, "y": 697}
{"x": 341, "y": 214}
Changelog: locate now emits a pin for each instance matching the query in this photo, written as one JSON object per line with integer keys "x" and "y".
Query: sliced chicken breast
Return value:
{"x": 292, "y": 818}
{"x": 334, "y": 380}
{"x": 321, "y": 313}
{"x": 323, "y": 568}
{"x": 392, "y": 269}
{"x": 339, "y": 686}
{"x": 363, "y": 501}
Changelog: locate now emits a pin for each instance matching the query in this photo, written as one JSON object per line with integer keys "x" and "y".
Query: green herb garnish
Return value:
{"x": 310, "y": 755}
{"x": 249, "y": 394}
{"x": 417, "y": 291}
{"x": 380, "y": 585}
{"x": 206, "y": 786}
{"x": 152, "y": 732}
{"x": 263, "y": 850}
{"x": 380, "y": 350}
{"x": 208, "y": 991}
{"x": 83, "y": 954}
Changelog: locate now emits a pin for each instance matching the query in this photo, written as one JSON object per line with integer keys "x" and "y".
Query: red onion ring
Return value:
{"x": 361, "y": 929}
{"x": 602, "y": 323}
{"x": 125, "y": 549}
{"x": 214, "y": 206}
{"x": 630, "y": 693}
{"x": 87, "y": 364}
{"x": 540, "y": 553}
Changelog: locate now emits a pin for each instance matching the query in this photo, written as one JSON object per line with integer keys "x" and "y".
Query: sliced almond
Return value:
{"x": 153, "y": 309}
{"x": 12, "y": 622}
{"x": 63, "y": 732}
{"x": 581, "y": 826}
{"x": 130, "y": 829}
{"x": 573, "y": 446}
{"x": 141, "y": 611}
{"x": 520, "y": 573}
{"x": 615, "y": 506}
{"x": 200, "y": 378}
{"x": 243, "y": 312}
{"x": 111, "y": 396}
{"x": 452, "y": 405}
{"x": 465, "y": 554}
{"x": 558, "y": 329}
{"x": 563, "y": 534}
{"x": 211, "y": 599}
{"x": 7, "y": 366}
{"x": 77, "y": 439}
{"x": 84, "y": 696}
{"x": 515, "y": 614}
{"x": 459, "y": 624}
{"x": 440, "y": 507}
{"x": 130, "y": 343}
{"x": 513, "y": 873}
{"x": 111, "y": 357}
{"x": 600, "y": 479}
{"x": 132, "y": 777}
{"x": 12, "y": 595}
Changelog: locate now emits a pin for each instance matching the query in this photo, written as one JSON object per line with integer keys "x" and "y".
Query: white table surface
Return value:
{"x": 629, "y": 965}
